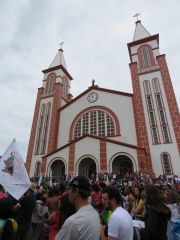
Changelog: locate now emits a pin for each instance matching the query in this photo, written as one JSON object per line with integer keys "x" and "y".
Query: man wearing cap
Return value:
{"x": 84, "y": 224}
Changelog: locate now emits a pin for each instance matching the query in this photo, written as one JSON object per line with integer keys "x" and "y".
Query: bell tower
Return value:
{"x": 54, "y": 93}
{"x": 155, "y": 108}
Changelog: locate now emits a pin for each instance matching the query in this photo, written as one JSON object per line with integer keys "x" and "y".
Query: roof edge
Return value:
{"x": 99, "y": 89}
{"x": 146, "y": 39}
{"x": 98, "y": 138}
{"x": 56, "y": 68}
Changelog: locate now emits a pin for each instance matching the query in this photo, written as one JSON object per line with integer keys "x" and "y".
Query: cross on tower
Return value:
{"x": 93, "y": 81}
{"x": 136, "y": 16}
{"x": 61, "y": 43}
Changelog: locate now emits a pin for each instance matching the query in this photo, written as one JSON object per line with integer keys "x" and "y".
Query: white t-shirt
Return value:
{"x": 83, "y": 225}
{"x": 175, "y": 214}
{"x": 120, "y": 225}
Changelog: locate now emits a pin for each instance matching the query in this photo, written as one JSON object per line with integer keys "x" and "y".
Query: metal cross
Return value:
{"x": 61, "y": 43}
{"x": 136, "y": 16}
{"x": 93, "y": 81}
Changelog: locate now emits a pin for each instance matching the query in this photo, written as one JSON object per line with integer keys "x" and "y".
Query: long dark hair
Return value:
{"x": 66, "y": 209}
{"x": 154, "y": 198}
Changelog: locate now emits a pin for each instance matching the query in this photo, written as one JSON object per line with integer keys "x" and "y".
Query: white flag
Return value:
{"x": 13, "y": 174}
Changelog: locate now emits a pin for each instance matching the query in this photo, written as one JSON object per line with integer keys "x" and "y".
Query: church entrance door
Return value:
{"x": 57, "y": 169}
{"x": 122, "y": 165}
{"x": 87, "y": 167}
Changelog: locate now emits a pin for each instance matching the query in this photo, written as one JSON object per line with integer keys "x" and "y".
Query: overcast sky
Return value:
{"x": 95, "y": 32}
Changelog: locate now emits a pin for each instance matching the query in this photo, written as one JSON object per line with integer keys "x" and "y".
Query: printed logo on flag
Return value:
{"x": 9, "y": 164}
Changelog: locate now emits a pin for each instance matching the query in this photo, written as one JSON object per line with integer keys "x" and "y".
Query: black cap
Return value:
{"x": 82, "y": 183}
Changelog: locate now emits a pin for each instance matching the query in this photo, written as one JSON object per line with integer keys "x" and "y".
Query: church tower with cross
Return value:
{"x": 105, "y": 130}
{"x": 54, "y": 93}
{"x": 155, "y": 107}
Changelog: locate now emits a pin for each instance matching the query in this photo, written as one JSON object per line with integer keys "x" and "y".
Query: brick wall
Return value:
{"x": 54, "y": 123}
{"x": 103, "y": 156}
{"x": 33, "y": 130}
{"x": 71, "y": 158}
{"x": 145, "y": 163}
{"x": 171, "y": 99}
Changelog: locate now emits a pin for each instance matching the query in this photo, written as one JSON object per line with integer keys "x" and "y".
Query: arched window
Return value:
{"x": 65, "y": 86}
{"x": 147, "y": 88}
{"x": 156, "y": 85}
{"x": 45, "y": 129}
{"x": 166, "y": 163}
{"x": 95, "y": 122}
{"x": 37, "y": 169}
{"x": 50, "y": 83}
{"x": 145, "y": 56}
{"x": 151, "y": 112}
{"x": 39, "y": 130}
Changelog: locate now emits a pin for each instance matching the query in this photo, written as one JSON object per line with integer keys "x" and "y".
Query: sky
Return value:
{"x": 95, "y": 35}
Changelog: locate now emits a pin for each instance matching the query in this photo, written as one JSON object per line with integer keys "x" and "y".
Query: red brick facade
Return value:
{"x": 53, "y": 136}
{"x": 103, "y": 156}
{"x": 140, "y": 124}
{"x": 33, "y": 129}
{"x": 43, "y": 165}
{"x": 71, "y": 158}
{"x": 171, "y": 99}
{"x": 54, "y": 124}
{"x": 142, "y": 127}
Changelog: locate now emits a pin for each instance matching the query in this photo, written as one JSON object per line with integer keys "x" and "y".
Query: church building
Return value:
{"x": 105, "y": 130}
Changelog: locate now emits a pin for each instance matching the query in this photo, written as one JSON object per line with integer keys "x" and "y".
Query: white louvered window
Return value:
{"x": 40, "y": 129}
{"x": 95, "y": 122}
{"x": 45, "y": 128}
{"x": 161, "y": 109}
{"x": 151, "y": 112}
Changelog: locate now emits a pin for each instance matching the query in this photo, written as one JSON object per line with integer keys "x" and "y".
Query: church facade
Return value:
{"x": 104, "y": 130}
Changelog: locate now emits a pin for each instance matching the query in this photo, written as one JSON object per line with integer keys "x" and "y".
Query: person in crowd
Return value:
{"x": 40, "y": 214}
{"x": 2, "y": 193}
{"x": 104, "y": 217}
{"x": 85, "y": 223}
{"x": 53, "y": 223}
{"x": 156, "y": 217}
{"x": 96, "y": 197}
{"x": 62, "y": 189}
{"x": 8, "y": 225}
{"x": 124, "y": 191}
{"x": 138, "y": 209}
{"x": 131, "y": 199}
{"x": 102, "y": 186}
{"x": 53, "y": 199}
{"x": 66, "y": 209}
{"x": 23, "y": 212}
{"x": 173, "y": 199}
{"x": 120, "y": 225}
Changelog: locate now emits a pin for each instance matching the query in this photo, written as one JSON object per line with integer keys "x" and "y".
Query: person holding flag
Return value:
{"x": 13, "y": 174}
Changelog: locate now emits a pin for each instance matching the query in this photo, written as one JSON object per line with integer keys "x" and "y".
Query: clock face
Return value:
{"x": 92, "y": 97}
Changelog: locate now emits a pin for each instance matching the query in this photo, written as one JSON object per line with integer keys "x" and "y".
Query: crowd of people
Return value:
{"x": 107, "y": 206}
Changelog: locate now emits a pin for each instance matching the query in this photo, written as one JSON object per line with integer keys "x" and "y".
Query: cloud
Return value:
{"x": 95, "y": 35}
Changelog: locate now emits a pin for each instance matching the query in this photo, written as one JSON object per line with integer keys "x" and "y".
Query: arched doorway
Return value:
{"x": 57, "y": 169}
{"x": 87, "y": 167}
{"x": 122, "y": 164}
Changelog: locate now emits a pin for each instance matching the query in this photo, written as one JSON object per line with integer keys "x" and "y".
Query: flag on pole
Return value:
{"x": 13, "y": 174}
